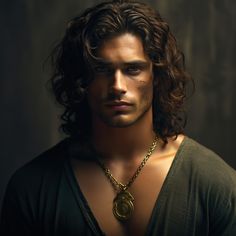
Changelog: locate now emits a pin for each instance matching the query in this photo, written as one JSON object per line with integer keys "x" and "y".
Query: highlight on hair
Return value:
{"x": 73, "y": 56}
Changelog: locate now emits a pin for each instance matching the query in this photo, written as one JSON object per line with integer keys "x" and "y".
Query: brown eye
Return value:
{"x": 102, "y": 70}
{"x": 133, "y": 70}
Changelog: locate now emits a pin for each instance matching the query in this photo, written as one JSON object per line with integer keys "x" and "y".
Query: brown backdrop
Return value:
{"x": 205, "y": 31}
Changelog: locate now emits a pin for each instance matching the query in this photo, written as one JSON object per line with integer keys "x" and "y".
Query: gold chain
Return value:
{"x": 117, "y": 185}
{"x": 123, "y": 203}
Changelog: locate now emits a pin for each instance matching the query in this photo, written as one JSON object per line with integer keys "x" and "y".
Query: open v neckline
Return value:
{"x": 87, "y": 212}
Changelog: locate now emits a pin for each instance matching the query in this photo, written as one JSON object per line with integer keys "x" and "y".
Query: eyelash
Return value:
{"x": 132, "y": 70}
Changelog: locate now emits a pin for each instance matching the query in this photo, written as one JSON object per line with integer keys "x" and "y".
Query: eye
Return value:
{"x": 102, "y": 70}
{"x": 133, "y": 70}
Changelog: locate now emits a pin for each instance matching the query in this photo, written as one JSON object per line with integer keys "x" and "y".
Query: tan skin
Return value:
{"x": 120, "y": 98}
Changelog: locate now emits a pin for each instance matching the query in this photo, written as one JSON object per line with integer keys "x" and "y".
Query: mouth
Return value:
{"x": 118, "y": 105}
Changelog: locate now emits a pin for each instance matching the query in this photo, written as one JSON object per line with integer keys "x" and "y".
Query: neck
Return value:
{"x": 127, "y": 142}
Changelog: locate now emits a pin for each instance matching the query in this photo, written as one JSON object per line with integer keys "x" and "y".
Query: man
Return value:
{"x": 126, "y": 167}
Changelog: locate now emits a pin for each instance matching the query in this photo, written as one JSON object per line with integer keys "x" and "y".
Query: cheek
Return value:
{"x": 145, "y": 90}
{"x": 95, "y": 90}
{"x": 92, "y": 95}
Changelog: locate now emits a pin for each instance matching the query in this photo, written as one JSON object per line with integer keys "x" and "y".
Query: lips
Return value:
{"x": 118, "y": 105}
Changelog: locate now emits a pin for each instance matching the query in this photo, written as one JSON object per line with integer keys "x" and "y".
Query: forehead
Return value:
{"x": 125, "y": 47}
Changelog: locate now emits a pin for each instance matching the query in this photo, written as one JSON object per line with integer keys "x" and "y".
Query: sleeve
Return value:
{"x": 224, "y": 219}
{"x": 223, "y": 209}
{"x": 15, "y": 220}
{"x": 25, "y": 206}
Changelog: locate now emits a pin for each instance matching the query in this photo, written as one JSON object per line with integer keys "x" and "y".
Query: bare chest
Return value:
{"x": 100, "y": 195}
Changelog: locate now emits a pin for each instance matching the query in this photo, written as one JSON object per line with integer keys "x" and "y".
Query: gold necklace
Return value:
{"x": 123, "y": 203}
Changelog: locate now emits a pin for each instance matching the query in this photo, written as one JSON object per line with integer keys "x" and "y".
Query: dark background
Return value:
{"x": 205, "y": 30}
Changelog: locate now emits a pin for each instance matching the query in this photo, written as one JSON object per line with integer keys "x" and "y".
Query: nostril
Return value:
{"x": 116, "y": 90}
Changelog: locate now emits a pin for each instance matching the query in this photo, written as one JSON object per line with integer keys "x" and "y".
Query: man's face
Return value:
{"x": 122, "y": 89}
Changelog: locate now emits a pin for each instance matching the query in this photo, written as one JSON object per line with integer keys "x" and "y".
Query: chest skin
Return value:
{"x": 99, "y": 192}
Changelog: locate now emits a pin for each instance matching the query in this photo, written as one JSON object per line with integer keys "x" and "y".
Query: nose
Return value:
{"x": 118, "y": 83}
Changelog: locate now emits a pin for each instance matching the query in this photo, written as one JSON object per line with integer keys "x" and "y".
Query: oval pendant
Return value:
{"x": 123, "y": 205}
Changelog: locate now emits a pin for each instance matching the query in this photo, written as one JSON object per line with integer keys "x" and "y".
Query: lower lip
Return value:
{"x": 119, "y": 107}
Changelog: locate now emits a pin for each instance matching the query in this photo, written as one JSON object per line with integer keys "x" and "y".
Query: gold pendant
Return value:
{"x": 123, "y": 205}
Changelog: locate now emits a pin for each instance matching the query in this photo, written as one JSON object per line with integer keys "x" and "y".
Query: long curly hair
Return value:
{"x": 73, "y": 56}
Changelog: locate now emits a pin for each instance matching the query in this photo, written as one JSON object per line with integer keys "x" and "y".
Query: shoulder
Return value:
{"x": 212, "y": 183}
{"x": 32, "y": 190}
{"x": 215, "y": 182}
{"x": 208, "y": 171}
{"x": 204, "y": 158}
{"x": 43, "y": 166}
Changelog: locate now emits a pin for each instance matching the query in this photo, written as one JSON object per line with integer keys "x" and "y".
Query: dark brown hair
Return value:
{"x": 73, "y": 56}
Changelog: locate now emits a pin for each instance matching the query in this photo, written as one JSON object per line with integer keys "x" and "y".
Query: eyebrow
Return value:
{"x": 137, "y": 63}
{"x": 140, "y": 63}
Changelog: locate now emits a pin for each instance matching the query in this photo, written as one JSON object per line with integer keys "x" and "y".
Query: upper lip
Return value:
{"x": 118, "y": 103}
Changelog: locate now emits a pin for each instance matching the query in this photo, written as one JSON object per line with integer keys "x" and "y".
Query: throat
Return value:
{"x": 126, "y": 141}
{"x": 123, "y": 147}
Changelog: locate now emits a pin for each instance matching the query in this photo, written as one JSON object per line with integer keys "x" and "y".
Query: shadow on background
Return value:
{"x": 29, "y": 118}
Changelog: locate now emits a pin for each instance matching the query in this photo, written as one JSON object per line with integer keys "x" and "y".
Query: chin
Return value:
{"x": 123, "y": 120}
{"x": 119, "y": 123}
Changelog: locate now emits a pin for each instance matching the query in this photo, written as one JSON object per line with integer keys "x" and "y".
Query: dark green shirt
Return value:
{"x": 198, "y": 197}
